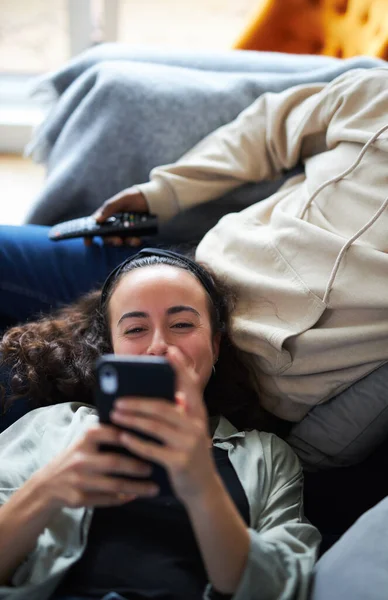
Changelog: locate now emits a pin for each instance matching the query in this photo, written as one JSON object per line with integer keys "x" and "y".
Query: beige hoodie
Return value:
{"x": 306, "y": 330}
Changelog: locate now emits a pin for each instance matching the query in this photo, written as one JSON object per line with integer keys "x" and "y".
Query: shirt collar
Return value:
{"x": 224, "y": 430}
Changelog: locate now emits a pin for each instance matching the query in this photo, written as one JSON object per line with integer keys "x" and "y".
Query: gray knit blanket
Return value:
{"x": 117, "y": 111}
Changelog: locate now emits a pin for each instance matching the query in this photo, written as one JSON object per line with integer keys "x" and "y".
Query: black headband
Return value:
{"x": 199, "y": 272}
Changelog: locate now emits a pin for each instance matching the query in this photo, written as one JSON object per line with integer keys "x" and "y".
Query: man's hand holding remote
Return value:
{"x": 130, "y": 199}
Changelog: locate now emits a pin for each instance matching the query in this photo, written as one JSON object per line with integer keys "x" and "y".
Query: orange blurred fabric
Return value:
{"x": 341, "y": 28}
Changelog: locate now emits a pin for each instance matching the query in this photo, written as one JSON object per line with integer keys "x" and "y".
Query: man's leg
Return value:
{"x": 356, "y": 567}
{"x": 37, "y": 274}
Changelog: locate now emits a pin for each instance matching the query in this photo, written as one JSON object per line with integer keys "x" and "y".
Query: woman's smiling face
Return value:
{"x": 158, "y": 306}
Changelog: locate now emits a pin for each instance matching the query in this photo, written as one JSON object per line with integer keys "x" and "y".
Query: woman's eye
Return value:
{"x": 134, "y": 330}
{"x": 183, "y": 325}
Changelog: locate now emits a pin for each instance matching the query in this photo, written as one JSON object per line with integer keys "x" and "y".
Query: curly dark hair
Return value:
{"x": 52, "y": 359}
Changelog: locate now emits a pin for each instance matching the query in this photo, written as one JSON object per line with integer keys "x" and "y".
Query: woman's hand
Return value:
{"x": 181, "y": 427}
{"x": 82, "y": 474}
{"x": 131, "y": 200}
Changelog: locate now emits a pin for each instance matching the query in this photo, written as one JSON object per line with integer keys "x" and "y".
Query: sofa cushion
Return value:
{"x": 346, "y": 429}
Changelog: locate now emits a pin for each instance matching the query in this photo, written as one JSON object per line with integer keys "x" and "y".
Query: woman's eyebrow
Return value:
{"x": 173, "y": 310}
{"x": 133, "y": 314}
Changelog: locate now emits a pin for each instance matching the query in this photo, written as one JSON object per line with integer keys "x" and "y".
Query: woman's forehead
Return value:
{"x": 164, "y": 279}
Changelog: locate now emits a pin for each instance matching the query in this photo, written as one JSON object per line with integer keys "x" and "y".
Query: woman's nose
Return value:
{"x": 158, "y": 346}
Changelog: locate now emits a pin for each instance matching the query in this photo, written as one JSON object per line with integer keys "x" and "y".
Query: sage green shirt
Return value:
{"x": 283, "y": 544}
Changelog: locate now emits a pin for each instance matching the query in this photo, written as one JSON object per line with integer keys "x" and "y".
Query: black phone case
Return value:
{"x": 146, "y": 376}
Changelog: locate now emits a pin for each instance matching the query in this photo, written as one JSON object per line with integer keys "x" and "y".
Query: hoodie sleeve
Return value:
{"x": 272, "y": 134}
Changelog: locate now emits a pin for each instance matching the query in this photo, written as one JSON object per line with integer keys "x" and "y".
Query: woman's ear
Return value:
{"x": 216, "y": 346}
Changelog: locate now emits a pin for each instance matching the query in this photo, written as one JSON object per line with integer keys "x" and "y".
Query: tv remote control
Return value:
{"x": 128, "y": 224}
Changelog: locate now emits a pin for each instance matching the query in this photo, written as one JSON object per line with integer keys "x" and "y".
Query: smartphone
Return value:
{"x": 144, "y": 376}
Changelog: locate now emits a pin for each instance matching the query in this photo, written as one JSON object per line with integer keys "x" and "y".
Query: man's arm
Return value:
{"x": 272, "y": 134}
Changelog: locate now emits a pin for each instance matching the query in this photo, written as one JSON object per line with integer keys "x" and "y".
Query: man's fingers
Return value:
{"x": 113, "y": 240}
{"x": 122, "y": 241}
{"x": 88, "y": 241}
{"x": 133, "y": 242}
{"x": 130, "y": 200}
{"x": 127, "y": 200}
{"x": 110, "y": 207}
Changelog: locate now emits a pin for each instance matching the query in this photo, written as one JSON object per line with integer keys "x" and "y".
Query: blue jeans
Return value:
{"x": 37, "y": 274}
